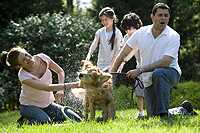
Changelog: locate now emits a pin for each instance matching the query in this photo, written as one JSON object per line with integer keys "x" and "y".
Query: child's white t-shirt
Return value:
{"x": 102, "y": 40}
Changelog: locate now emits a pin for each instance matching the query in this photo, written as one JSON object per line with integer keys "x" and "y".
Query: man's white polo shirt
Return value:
{"x": 152, "y": 49}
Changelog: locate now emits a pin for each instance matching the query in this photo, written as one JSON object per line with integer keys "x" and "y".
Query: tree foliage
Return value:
{"x": 142, "y": 8}
{"x": 19, "y": 9}
{"x": 64, "y": 38}
{"x": 187, "y": 23}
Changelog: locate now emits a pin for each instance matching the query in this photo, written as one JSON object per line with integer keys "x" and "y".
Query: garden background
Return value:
{"x": 64, "y": 30}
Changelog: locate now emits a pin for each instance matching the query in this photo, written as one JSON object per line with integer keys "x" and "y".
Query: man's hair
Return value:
{"x": 131, "y": 20}
{"x": 159, "y": 6}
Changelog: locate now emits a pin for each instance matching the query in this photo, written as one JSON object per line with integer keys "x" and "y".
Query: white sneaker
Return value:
{"x": 141, "y": 115}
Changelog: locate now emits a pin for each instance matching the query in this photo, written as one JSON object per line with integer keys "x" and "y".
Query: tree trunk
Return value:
{"x": 69, "y": 6}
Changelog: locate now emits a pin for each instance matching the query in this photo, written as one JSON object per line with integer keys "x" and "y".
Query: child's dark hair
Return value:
{"x": 109, "y": 12}
{"x": 131, "y": 20}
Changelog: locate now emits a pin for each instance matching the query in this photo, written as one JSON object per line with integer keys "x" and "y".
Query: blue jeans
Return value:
{"x": 157, "y": 96}
{"x": 52, "y": 113}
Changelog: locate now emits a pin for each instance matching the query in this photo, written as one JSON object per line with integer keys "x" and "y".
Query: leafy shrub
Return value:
{"x": 9, "y": 90}
{"x": 123, "y": 98}
{"x": 64, "y": 38}
{"x": 1, "y": 98}
{"x": 189, "y": 60}
{"x": 183, "y": 91}
{"x": 186, "y": 91}
{"x": 19, "y": 9}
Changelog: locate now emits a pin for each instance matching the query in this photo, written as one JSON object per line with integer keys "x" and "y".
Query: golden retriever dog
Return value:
{"x": 98, "y": 86}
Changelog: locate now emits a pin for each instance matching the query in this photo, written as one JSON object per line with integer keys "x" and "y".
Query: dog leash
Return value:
{"x": 138, "y": 82}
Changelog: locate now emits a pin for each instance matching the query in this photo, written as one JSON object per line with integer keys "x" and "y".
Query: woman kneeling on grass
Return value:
{"x": 37, "y": 98}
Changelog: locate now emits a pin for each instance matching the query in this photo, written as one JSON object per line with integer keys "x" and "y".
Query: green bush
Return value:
{"x": 183, "y": 91}
{"x": 9, "y": 90}
{"x": 65, "y": 39}
{"x": 19, "y": 9}
{"x": 186, "y": 91}
{"x": 123, "y": 98}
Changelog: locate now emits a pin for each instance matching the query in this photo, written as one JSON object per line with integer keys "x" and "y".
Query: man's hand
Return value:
{"x": 59, "y": 97}
{"x": 132, "y": 74}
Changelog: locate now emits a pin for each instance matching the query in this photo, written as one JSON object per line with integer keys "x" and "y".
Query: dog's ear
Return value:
{"x": 83, "y": 62}
{"x": 86, "y": 64}
{"x": 105, "y": 77}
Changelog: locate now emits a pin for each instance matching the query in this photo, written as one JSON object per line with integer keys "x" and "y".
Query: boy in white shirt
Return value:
{"x": 130, "y": 23}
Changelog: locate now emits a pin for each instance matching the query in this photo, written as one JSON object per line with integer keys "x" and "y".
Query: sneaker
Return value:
{"x": 187, "y": 105}
{"x": 140, "y": 115}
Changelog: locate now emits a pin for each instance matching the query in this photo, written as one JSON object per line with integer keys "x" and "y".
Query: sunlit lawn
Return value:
{"x": 125, "y": 122}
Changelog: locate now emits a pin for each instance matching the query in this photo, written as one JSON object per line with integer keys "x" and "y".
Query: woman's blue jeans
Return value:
{"x": 52, "y": 113}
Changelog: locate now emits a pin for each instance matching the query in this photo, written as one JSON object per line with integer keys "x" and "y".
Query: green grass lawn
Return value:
{"x": 125, "y": 123}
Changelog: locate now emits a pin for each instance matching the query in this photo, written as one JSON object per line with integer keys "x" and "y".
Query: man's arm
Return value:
{"x": 120, "y": 57}
{"x": 163, "y": 62}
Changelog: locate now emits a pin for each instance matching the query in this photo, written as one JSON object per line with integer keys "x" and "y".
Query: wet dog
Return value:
{"x": 98, "y": 86}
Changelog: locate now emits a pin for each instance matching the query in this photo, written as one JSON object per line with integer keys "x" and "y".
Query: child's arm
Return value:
{"x": 118, "y": 45}
{"x": 93, "y": 46}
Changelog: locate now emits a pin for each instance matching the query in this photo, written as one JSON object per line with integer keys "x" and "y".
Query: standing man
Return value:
{"x": 158, "y": 45}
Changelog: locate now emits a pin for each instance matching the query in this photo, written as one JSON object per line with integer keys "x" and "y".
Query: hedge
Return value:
{"x": 186, "y": 91}
{"x": 64, "y": 38}
{"x": 183, "y": 91}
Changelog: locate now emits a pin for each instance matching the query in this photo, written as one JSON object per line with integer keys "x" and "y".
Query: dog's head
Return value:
{"x": 86, "y": 65}
{"x": 92, "y": 75}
